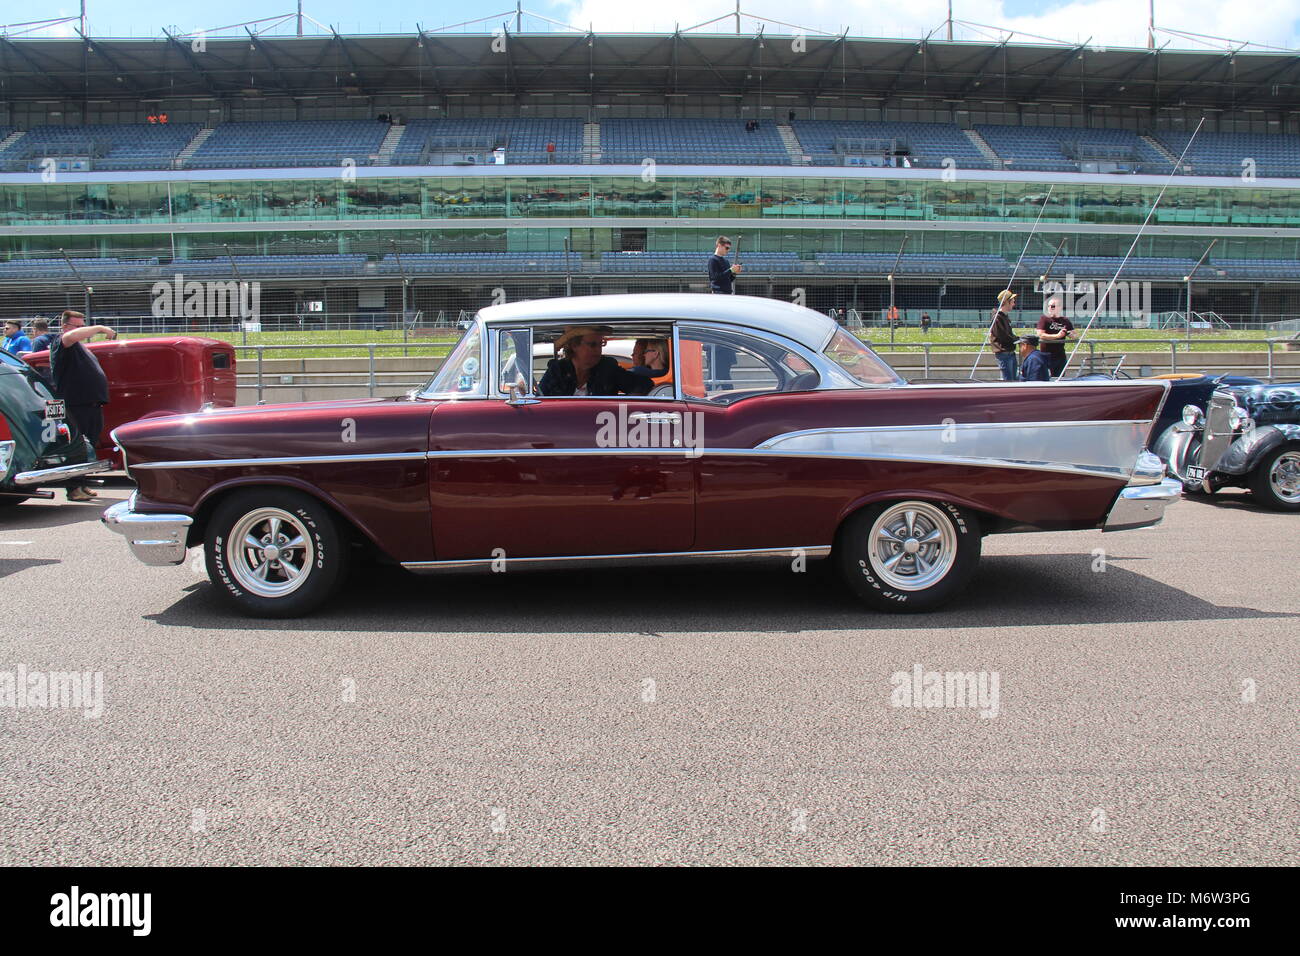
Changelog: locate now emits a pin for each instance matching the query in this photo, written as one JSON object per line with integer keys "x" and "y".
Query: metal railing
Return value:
{"x": 1093, "y": 360}
{"x": 1092, "y": 346}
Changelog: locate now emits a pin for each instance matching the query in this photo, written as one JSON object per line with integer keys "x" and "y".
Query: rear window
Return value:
{"x": 221, "y": 360}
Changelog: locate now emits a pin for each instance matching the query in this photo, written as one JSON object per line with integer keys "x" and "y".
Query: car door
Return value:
{"x": 741, "y": 391}
{"x": 529, "y": 477}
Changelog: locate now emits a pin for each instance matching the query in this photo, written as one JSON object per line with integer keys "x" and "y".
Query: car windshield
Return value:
{"x": 461, "y": 374}
{"x": 862, "y": 364}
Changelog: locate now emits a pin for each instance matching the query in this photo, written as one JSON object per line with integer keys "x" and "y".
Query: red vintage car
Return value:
{"x": 781, "y": 436}
{"x": 157, "y": 376}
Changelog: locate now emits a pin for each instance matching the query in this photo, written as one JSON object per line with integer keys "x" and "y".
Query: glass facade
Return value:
{"x": 596, "y": 197}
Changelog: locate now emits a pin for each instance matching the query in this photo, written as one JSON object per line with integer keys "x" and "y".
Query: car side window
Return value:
{"x": 724, "y": 367}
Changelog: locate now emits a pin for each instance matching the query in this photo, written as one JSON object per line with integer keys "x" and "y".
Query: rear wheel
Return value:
{"x": 1276, "y": 482}
{"x": 908, "y": 556}
{"x": 274, "y": 552}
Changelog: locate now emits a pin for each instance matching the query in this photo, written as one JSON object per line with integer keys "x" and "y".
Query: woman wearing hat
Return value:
{"x": 1001, "y": 339}
{"x": 581, "y": 368}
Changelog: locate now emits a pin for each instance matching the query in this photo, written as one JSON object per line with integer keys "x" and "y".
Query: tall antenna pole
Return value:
{"x": 1151, "y": 26}
{"x": 950, "y": 19}
{"x": 737, "y": 16}
{"x": 83, "y": 17}
{"x": 519, "y": 16}
{"x": 299, "y": 17}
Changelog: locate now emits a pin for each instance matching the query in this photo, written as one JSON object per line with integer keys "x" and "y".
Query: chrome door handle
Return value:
{"x": 656, "y": 418}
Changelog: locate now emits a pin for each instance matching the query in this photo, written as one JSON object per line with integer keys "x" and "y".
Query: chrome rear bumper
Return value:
{"x": 156, "y": 539}
{"x": 50, "y": 476}
{"x": 1141, "y": 506}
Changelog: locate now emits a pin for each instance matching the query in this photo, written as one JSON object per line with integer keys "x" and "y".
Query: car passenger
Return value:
{"x": 582, "y": 369}
{"x": 650, "y": 357}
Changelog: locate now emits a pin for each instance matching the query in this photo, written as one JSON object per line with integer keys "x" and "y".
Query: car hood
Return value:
{"x": 1277, "y": 404}
{"x": 344, "y": 428}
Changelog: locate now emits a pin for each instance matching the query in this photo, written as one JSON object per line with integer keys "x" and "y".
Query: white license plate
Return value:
{"x": 1195, "y": 473}
{"x": 55, "y": 410}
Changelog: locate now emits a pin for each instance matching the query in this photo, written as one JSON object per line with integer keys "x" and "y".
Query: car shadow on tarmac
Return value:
{"x": 1008, "y": 591}
{"x": 10, "y": 566}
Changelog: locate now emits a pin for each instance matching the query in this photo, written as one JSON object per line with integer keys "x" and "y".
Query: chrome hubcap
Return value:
{"x": 1285, "y": 476}
{"x": 913, "y": 545}
{"x": 270, "y": 552}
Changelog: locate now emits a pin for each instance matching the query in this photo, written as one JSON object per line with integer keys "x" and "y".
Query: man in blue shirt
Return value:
{"x": 1033, "y": 363}
{"x": 721, "y": 272}
{"x": 43, "y": 335}
{"x": 14, "y": 340}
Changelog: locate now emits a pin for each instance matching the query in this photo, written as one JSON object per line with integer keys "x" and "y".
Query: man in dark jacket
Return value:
{"x": 1033, "y": 362}
{"x": 721, "y": 272}
{"x": 80, "y": 381}
{"x": 1001, "y": 338}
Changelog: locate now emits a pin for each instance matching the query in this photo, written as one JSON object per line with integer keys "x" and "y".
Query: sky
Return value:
{"x": 1100, "y": 22}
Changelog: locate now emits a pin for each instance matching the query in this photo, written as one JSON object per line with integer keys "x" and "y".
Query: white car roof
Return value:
{"x": 810, "y": 329}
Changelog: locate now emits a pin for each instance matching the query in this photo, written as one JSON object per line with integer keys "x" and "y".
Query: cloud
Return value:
{"x": 1106, "y": 22}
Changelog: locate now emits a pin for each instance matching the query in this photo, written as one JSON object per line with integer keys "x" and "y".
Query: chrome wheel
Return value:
{"x": 1284, "y": 477}
{"x": 913, "y": 545}
{"x": 271, "y": 552}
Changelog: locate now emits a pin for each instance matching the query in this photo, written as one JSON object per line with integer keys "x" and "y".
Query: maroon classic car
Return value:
{"x": 778, "y": 436}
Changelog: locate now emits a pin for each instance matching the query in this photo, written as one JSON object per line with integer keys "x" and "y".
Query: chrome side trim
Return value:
{"x": 64, "y": 473}
{"x": 292, "y": 460}
{"x": 1102, "y": 447}
{"x": 156, "y": 539}
{"x": 1116, "y": 472}
{"x": 645, "y": 557}
{"x": 1142, "y": 506}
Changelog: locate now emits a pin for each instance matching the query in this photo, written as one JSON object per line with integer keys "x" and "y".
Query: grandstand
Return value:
{"x": 426, "y": 166}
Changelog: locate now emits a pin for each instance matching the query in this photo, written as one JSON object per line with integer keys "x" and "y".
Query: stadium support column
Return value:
{"x": 1188, "y": 279}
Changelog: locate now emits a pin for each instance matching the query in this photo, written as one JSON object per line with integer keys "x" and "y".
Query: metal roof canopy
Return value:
{"x": 677, "y": 64}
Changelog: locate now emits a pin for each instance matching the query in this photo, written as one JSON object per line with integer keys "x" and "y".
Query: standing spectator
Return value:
{"x": 1033, "y": 362}
{"x": 1001, "y": 338}
{"x": 722, "y": 274}
{"x": 893, "y": 315}
{"x": 43, "y": 335}
{"x": 14, "y": 340}
{"x": 80, "y": 382}
{"x": 925, "y": 323}
{"x": 792, "y": 116}
{"x": 550, "y": 152}
{"x": 1053, "y": 331}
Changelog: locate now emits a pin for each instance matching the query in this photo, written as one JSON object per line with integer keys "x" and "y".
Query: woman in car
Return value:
{"x": 650, "y": 357}
{"x": 581, "y": 367}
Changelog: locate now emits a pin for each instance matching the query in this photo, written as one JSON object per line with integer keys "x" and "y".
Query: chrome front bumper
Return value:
{"x": 156, "y": 539}
{"x": 1141, "y": 506}
{"x": 51, "y": 476}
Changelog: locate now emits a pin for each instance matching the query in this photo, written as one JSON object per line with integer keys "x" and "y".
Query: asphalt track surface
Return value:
{"x": 1147, "y": 713}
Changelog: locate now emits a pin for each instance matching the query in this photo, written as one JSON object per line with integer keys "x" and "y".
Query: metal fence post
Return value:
{"x": 1173, "y": 355}
{"x": 259, "y": 375}
{"x": 1269, "y": 343}
{"x": 926, "y": 346}
{"x": 371, "y": 348}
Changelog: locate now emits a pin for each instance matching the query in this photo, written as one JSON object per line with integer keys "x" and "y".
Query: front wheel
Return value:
{"x": 909, "y": 556}
{"x": 273, "y": 552}
{"x": 1276, "y": 482}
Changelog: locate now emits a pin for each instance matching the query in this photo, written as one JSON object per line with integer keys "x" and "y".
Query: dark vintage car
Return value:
{"x": 38, "y": 450}
{"x": 1248, "y": 436}
{"x": 783, "y": 437}
{"x": 166, "y": 375}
